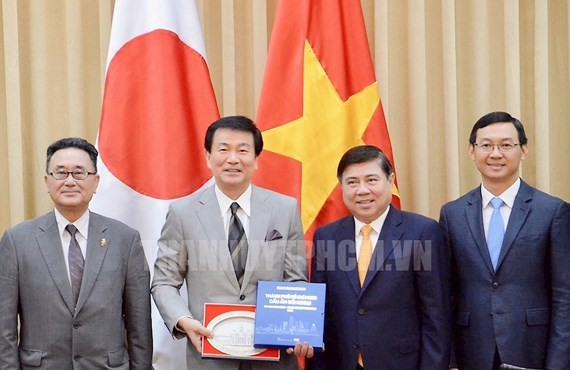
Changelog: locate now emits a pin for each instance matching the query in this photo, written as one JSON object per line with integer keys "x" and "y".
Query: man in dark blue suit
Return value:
{"x": 512, "y": 302}
{"x": 387, "y": 304}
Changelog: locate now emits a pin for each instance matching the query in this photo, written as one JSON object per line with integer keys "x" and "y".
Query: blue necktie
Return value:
{"x": 496, "y": 232}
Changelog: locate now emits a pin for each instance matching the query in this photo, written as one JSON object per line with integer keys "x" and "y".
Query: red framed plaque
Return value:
{"x": 233, "y": 326}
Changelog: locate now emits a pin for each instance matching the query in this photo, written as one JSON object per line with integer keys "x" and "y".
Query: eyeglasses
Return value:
{"x": 77, "y": 174}
{"x": 503, "y": 148}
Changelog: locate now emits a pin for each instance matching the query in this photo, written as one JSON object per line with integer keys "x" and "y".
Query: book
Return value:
{"x": 233, "y": 326}
{"x": 289, "y": 312}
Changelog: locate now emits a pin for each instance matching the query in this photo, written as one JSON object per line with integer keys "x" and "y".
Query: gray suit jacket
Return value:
{"x": 114, "y": 300}
{"x": 193, "y": 249}
{"x": 524, "y": 307}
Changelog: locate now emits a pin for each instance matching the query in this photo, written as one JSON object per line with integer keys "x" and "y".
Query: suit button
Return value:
{"x": 355, "y": 345}
{"x": 76, "y": 325}
{"x": 76, "y": 357}
{"x": 361, "y": 311}
{"x": 241, "y": 297}
{"x": 495, "y": 285}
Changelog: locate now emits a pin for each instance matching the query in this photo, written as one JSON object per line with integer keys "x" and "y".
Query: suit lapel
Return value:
{"x": 390, "y": 234}
{"x": 519, "y": 213}
{"x": 346, "y": 237}
{"x": 49, "y": 242}
{"x": 94, "y": 256}
{"x": 474, "y": 215}
{"x": 258, "y": 228}
{"x": 212, "y": 223}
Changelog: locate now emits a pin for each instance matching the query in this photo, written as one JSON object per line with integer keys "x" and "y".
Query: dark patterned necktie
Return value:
{"x": 237, "y": 243}
{"x": 76, "y": 261}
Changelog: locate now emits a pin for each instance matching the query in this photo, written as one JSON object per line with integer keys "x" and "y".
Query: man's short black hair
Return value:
{"x": 496, "y": 117}
{"x": 362, "y": 154}
{"x": 238, "y": 123}
{"x": 73, "y": 142}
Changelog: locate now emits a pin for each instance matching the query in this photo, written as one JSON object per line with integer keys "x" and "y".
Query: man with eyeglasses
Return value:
{"x": 74, "y": 285}
{"x": 510, "y": 252}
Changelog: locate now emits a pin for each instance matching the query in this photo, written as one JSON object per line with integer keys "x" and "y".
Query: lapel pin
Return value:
{"x": 103, "y": 243}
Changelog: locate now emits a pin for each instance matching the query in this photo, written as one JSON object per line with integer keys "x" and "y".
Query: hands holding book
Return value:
{"x": 301, "y": 349}
{"x": 195, "y": 331}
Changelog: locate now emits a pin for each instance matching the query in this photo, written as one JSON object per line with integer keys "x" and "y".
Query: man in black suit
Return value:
{"x": 511, "y": 276}
{"x": 387, "y": 301}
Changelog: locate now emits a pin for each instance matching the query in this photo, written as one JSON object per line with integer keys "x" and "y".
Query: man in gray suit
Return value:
{"x": 77, "y": 282}
{"x": 193, "y": 247}
{"x": 510, "y": 248}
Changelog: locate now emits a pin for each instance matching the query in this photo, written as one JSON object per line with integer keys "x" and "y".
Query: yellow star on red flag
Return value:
{"x": 318, "y": 99}
{"x": 328, "y": 127}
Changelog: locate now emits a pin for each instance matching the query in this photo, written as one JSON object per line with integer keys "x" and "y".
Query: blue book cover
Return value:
{"x": 287, "y": 313}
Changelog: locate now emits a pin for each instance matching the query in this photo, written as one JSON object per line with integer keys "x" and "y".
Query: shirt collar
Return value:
{"x": 82, "y": 223}
{"x": 508, "y": 196}
{"x": 376, "y": 224}
{"x": 224, "y": 201}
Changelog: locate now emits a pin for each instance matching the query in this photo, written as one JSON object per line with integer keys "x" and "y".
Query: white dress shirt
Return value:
{"x": 374, "y": 234}
{"x": 243, "y": 212}
{"x": 508, "y": 197}
{"x": 82, "y": 225}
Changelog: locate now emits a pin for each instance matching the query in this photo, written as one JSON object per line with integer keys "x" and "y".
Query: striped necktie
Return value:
{"x": 237, "y": 243}
{"x": 76, "y": 262}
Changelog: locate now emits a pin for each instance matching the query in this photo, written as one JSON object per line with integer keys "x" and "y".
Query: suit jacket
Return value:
{"x": 399, "y": 318}
{"x": 114, "y": 299}
{"x": 524, "y": 307}
{"x": 193, "y": 249}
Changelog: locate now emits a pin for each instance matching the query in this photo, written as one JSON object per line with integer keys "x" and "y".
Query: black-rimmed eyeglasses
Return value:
{"x": 77, "y": 174}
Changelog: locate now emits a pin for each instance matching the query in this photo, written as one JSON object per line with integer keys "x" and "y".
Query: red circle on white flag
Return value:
{"x": 158, "y": 103}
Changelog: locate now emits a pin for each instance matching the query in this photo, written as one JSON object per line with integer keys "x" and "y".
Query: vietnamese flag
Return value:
{"x": 319, "y": 98}
{"x": 158, "y": 102}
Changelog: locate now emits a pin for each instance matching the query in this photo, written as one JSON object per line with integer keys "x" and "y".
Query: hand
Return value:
{"x": 301, "y": 349}
{"x": 194, "y": 330}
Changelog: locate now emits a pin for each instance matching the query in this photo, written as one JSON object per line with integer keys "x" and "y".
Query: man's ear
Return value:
{"x": 470, "y": 151}
{"x": 524, "y": 149}
{"x": 207, "y": 153}
{"x": 96, "y": 179}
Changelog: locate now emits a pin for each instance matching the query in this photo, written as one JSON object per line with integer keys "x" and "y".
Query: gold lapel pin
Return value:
{"x": 103, "y": 243}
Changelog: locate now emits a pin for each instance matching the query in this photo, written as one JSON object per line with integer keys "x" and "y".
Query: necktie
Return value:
{"x": 363, "y": 263}
{"x": 496, "y": 231}
{"x": 365, "y": 253}
{"x": 76, "y": 261}
{"x": 237, "y": 243}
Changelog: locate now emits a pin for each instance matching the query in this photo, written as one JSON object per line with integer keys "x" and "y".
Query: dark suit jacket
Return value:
{"x": 114, "y": 298}
{"x": 524, "y": 307}
{"x": 400, "y": 318}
